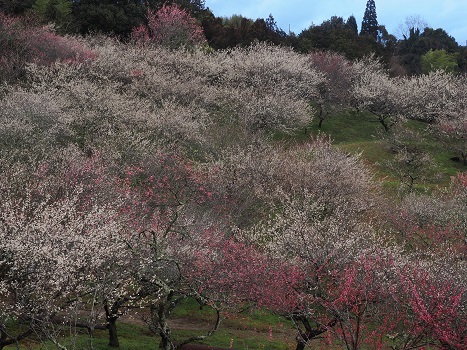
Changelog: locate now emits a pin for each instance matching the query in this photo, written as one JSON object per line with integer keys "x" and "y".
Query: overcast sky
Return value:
{"x": 451, "y": 15}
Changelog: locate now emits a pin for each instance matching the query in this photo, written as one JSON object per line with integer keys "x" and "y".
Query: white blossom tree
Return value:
{"x": 374, "y": 91}
{"x": 62, "y": 248}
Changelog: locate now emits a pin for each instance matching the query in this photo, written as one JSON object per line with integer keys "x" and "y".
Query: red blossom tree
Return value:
{"x": 357, "y": 296}
{"x": 435, "y": 312}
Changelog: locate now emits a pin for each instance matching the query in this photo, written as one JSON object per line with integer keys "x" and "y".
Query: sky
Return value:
{"x": 450, "y": 15}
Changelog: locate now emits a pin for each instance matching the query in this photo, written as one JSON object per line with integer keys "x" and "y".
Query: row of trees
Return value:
{"x": 418, "y": 50}
{"x": 141, "y": 175}
{"x": 91, "y": 16}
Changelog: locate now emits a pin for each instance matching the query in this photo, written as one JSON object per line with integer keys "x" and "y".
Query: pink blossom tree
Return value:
{"x": 167, "y": 207}
{"x": 23, "y": 42}
{"x": 236, "y": 274}
{"x": 335, "y": 90}
{"x": 358, "y": 297}
{"x": 171, "y": 27}
{"x": 435, "y": 314}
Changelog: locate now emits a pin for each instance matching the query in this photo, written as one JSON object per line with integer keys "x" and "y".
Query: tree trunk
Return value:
{"x": 300, "y": 346}
{"x": 384, "y": 124}
{"x": 301, "y": 343}
{"x": 3, "y": 336}
{"x": 111, "y": 316}
{"x": 320, "y": 116}
{"x": 304, "y": 337}
{"x": 113, "y": 335}
{"x": 159, "y": 318}
{"x": 310, "y": 332}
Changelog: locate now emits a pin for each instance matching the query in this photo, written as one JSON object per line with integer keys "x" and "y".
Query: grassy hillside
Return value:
{"x": 361, "y": 133}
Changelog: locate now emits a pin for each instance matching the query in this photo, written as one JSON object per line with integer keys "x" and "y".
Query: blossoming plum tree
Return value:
{"x": 61, "y": 242}
{"x": 167, "y": 207}
{"x": 374, "y": 91}
{"x": 334, "y": 91}
{"x": 22, "y": 43}
{"x": 171, "y": 27}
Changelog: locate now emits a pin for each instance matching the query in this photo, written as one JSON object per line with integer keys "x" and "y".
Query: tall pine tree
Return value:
{"x": 370, "y": 21}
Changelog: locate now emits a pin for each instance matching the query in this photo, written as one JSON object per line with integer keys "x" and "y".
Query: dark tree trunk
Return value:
{"x": 320, "y": 123}
{"x": 300, "y": 345}
{"x": 3, "y": 337}
{"x": 113, "y": 335}
{"x": 165, "y": 332}
{"x": 304, "y": 337}
{"x": 111, "y": 315}
{"x": 310, "y": 332}
{"x": 320, "y": 116}
{"x": 384, "y": 124}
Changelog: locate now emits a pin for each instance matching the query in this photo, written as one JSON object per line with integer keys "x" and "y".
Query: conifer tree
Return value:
{"x": 56, "y": 11}
{"x": 370, "y": 21}
{"x": 352, "y": 24}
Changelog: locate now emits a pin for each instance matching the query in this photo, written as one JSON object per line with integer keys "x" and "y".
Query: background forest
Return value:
{"x": 404, "y": 54}
{"x": 172, "y": 165}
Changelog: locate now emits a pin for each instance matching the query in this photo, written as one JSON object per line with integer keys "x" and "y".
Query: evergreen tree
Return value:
{"x": 271, "y": 23}
{"x": 352, "y": 24}
{"x": 370, "y": 22}
{"x": 56, "y": 11}
{"x": 15, "y": 7}
{"x": 109, "y": 16}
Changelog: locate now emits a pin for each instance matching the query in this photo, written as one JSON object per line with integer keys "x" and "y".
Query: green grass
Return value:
{"x": 138, "y": 337}
{"x": 349, "y": 126}
{"x": 251, "y": 329}
{"x": 131, "y": 337}
{"x": 361, "y": 133}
